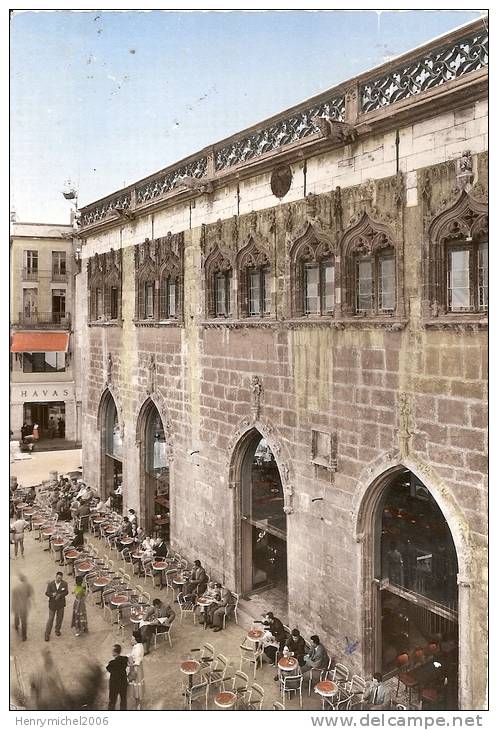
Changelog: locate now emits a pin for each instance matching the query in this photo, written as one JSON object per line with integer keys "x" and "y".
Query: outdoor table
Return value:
{"x": 255, "y": 635}
{"x": 287, "y": 663}
{"x": 100, "y": 583}
{"x": 37, "y": 524}
{"x": 203, "y": 602}
{"x": 58, "y": 544}
{"x": 326, "y": 688}
{"x": 48, "y": 532}
{"x": 225, "y": 700}
{"x": 137, "y": 615}
{"x": 29, "y": 512}
{"x": 126, "y": 540}
{"x": 72, "y": 555}
{"x": 112, "y": 528}
{"x": 98, "y": 520}
{"x": 86, "y": 566}
{"x": 160, "y": 566}
{"x": 118, "y": 599}
{"x": 190, "y": 667}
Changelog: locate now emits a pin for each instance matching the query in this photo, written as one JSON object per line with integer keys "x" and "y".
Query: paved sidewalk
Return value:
{"x": 161, "y": 667}
{"x": 37, "y": 468}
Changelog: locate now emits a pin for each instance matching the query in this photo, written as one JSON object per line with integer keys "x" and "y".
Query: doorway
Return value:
{"x": 417, "y": 567}
{"x": 263, "y": 520}
{"x": 58, "y": 305}
{"x": 154, "y": 467}
{"x": 112, "y": 452}
{"x": 50, "y": 417}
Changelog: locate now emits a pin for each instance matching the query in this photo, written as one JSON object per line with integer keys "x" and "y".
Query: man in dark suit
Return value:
{"x": 118, "y": 679}
{"x": 197, "y": 583}
{"x": 57, "y": 591}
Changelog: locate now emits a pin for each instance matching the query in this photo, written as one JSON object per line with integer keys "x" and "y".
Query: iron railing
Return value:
{"x": 44, "y": 320}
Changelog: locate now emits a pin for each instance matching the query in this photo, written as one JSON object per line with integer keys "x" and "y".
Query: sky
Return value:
{"x": 105, "y": 98}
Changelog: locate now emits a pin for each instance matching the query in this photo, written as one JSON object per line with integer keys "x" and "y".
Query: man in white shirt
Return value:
{"x": 17, "y": 529}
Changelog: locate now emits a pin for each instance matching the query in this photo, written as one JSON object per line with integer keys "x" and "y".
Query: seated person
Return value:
{"x": 160, "y": 549}
{"x": 132, "y": 516}
{"x": 213, "y": 591}
{"x": 157, "y": 619}
{"x": 217, "y": 611}
{"x": 276, "y": 628}
{"x": 78, "y": 540}
{"x": 197, "y": 582}
{"x": 296, "y": 646}
{"x": 31, "y": 495}
{"x": 377, "y": 695}
{"x": 316, "y": 658}
{"x": 101, "y": 506}
{"x": 83, "y": 513}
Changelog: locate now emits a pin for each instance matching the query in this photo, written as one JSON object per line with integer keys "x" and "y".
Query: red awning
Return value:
{"x": 39, "y": 342}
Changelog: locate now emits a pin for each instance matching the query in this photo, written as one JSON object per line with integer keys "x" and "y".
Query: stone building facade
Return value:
{"x": 318, "y": 281}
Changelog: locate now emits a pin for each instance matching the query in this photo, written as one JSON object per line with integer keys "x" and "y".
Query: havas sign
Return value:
{"x": 42, "y": 392}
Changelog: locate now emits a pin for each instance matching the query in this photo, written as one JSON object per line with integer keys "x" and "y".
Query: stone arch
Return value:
{"x": 142, "y": 413}
{"x": 109, "y": 395}
{"x": 238, "y": 447}
{"x": 217, "y": 262}
{"x": 110, "y": 392}
{"x": 255, "y": 254}
{"x": 372, "y": 484}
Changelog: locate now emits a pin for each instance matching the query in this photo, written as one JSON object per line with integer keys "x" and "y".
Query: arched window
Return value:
{"x": 313, "y": 275}
{"x": 96, "y": 273}
{"x": 218, "y": 285}
{"x": 371, "y": 281}
{"x": 104, "y": 287}
{"x": 457, "y": 271}
{"x": 255, "y": 281}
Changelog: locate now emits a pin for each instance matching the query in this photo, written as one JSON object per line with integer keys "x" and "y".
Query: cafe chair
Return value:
{"x": 409, "y": 682}
{"x": 148, "y": 571}
{"x": 165, "y": 633}
{"x": 186, "y": 606}
{"x": 208, "y": 652}
{"x": 288, "y": 685}
{"x": 168, "y": 580}
{"x": 278, "y": 706}
{"x": 255, "y": 697}
{"x": 251, "y": 655}
{"x": 400, "y": 708}
{"x": 197, "y": 693}
{"x": 356, "y": 689}
{"x": 340, "y": 674}
{"x": 216, "y": 674}
{"x": 231, "y": 610}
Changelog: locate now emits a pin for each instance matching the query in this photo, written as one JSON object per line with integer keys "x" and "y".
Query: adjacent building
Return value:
{"x": 284, "y": 344}
{"x": 43, "y": 362}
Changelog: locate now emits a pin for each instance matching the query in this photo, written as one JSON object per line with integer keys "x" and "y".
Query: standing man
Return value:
{"x": 17, "y": 529}
{"x": 51, "y": 427}
{"x": 118, "y": 679}
{"x": 21, "y": 603}
{"x": 57, "y": 591}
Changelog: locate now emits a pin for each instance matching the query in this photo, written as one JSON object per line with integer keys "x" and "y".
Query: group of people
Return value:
{"x": 54, "y": 428}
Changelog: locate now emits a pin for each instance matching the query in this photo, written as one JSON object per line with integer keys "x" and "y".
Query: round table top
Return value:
{"x": 159, "y": 565}
{"x": 286, "y": 663}
{"x": 138, "y": 554}
{"x": 38, "y": 522}
{"x": 225, "y": 699}
{"x": 126, "y": 540}
{"x": 191, "y": 666}
{"x": 101, "y": 582}
{"x": 137, "y": 615}
{"x": 86, "y": 566}
{"x": 48, "y": 531}
{"x": 118, "y": 599}
{"x": 99, "y": 520}
{"x": 21, "y": 505}
{"x": 58, "y": 541}
{"x": 255, "y": 634}
{"x": 205, "y": 601}
{"x": 72, "y": 554}
{"x": 29, "y": 511}
{"x": 179, "y": 580}
{"x": 326, "y": 688}
{"x": 109, "y": 530}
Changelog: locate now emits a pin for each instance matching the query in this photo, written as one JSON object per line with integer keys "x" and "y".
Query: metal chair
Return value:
{"x": 292, "y": 684}
{"x": 165, "y": 633}
{"x": 278, "y": 706}
{"x": 251, "y": 655}
{"x": 255, "y": 697}
{"x": 186, "y": 606}
{"x": 231, "y": 609}
{"x": 216, "y": 674}
{"x": 196, "y": 693}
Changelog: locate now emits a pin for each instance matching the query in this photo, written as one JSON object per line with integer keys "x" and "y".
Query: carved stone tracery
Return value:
{"x": 155, "y": 262}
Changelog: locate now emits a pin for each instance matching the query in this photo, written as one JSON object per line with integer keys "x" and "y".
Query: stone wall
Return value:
{"x": 399, "y": 392}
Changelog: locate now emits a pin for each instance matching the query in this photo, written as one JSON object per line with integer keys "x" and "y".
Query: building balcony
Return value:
{"x": 43, "y": 320}
{"x": 59, "y": 276}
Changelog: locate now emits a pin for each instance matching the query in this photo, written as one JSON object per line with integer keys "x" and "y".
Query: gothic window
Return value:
{"x": 159, "y": 280}
{"x": 313, "y": 275}
{"x": 222, "y": 284}
{"x": 254, "y": 281}
{"x": 457, "y": 272}
{"x": 376, "y": 283}
{"x": 371, "y": 273}
{"x": 104, "y": 287}
{"x": 318, "y": 287}
{"x": 218, "y": 285}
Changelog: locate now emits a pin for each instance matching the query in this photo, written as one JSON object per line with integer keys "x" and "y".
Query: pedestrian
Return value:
{"x": 47, "y": 689}
{"x": 61, "y": 426}
{"x": 56, "y": 592}
{"x": 51, "y": 427}
{"x": 118, "y": 679}
{"x": 22, "y": 595}
{"x": 79, "y": 620}
{"x": 17, "y": 529}
{"x": 25, "y": 431}
{"x": 36, "y": 432}
{"x": 135, "y": 669}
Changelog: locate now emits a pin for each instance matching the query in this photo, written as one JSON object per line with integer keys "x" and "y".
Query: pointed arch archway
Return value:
{"x": 111, "y": 428}
{"x": 415, "y": 567}
{"x": 153, "y": 438}
{"x": 262, "y": 502}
